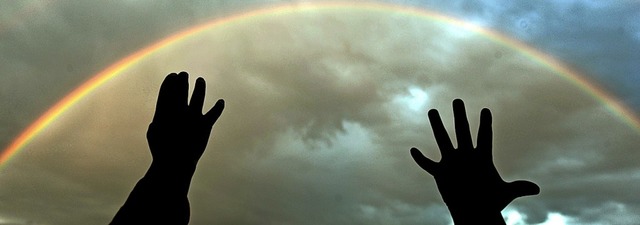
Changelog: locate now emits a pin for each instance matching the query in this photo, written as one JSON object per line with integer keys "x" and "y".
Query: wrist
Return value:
{"x": 170, "y": 178}
{"x": 170, "y": 171}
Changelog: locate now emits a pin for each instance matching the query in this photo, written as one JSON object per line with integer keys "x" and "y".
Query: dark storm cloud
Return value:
{"x": 602, "y": 40}
{"x": 599, "y": 38}
{"x": 561, "y": 131}
{"x": 321, "y": 111}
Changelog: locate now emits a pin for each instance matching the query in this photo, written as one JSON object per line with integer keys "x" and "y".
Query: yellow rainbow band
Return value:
{"x": 615, "y": 106}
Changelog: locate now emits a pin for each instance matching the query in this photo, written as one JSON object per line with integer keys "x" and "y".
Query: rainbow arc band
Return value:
{"x": 612, "y": 104}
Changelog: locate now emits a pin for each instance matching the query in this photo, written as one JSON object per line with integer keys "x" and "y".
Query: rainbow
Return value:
{"x": 612, "y": 104}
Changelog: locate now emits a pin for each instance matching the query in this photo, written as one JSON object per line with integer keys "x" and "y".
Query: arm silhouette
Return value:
{"x": 177, "y": 137}
{"x": 466, "y": 177}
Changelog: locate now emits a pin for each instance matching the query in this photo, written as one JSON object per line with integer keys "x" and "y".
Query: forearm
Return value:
{"x": 160, "y": 197}
{"x": 476, "y": 216}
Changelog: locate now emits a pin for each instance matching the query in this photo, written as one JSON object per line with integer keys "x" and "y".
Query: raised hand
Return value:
{"x": 466, "y": 176}
{"x": 177, "y": 137}
{"x": 179, "y": 131}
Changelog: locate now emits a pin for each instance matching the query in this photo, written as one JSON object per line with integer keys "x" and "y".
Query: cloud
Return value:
{"x": 320, "y": 115}
{"x": 598, "y": 38}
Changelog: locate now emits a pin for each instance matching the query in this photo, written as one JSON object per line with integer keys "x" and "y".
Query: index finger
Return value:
{"x": 214, "y": 113}
{"x": 439, "y": 132}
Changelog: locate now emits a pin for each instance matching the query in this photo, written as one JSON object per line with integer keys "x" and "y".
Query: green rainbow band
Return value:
{"x": 615, "y": 106}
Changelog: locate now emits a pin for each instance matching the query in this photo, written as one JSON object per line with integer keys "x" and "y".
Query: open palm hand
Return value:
{"x": 466, "y": 176}
{"x": 179, "y": 131}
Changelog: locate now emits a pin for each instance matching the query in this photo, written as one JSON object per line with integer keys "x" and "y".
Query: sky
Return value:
{"x": 322, "y": 108}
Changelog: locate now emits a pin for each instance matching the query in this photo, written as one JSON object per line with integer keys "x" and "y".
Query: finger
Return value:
{"x": 182, "y": 91}
{"x": 197, "y": 98}
{"x": 214, "y": 113}
{"x": 424, "y": 162}
{"x": 163, "y": 105}
{"x": 485, "y": 132}
{"x": 439, "y": 132}
{"x": 523, "y": 188}
{"x": 463, "y": 133}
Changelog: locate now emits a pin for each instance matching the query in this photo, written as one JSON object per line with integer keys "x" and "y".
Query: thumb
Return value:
{"x": 523, "y": 188}
{"x": 425, "y": 163}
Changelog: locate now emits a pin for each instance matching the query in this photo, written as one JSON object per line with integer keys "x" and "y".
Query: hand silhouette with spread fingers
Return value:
{"x": 466, "y": 177}
{"x": 177, "y": 137}
{"x": 179, "y": 131}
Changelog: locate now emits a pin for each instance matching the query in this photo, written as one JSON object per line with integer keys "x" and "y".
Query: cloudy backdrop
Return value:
{"x": 322, "y": 108}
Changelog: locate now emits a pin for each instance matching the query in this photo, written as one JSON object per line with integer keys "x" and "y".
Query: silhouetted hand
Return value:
{"x": 466, "y": 176}
{"x": 177, "y": 137}
{"x": 179, "y": 132}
